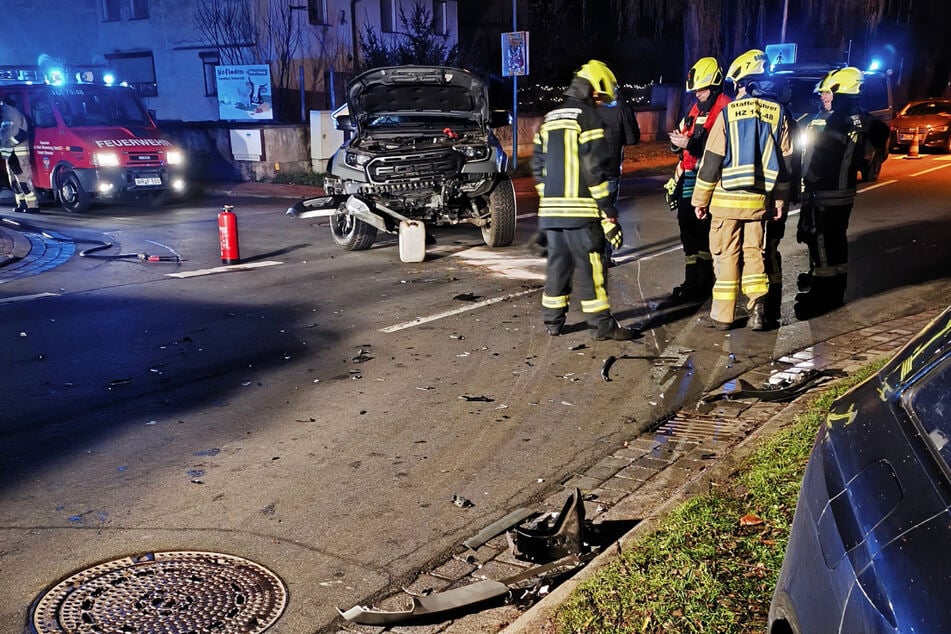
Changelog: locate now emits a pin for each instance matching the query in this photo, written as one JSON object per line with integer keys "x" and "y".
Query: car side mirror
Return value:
{"x": 499, "y": 118}
{"x": 343, "y": 123}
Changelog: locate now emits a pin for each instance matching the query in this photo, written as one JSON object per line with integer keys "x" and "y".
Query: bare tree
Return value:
{"x": 227, "y": 26}
{"x": 418, "y": 43}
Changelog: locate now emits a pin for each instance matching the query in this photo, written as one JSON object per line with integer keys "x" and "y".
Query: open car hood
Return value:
{"x": 418, "y": 91}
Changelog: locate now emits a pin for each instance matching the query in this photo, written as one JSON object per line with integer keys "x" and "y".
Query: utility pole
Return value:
{"x": 514, "y": 95}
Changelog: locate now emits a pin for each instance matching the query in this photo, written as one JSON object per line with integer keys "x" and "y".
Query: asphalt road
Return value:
{"x": 315, "y": 410}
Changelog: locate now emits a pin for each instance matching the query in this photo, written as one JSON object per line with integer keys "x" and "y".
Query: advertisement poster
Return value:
{"x": 515, "y": 53}
{"x": 244, "y": 92}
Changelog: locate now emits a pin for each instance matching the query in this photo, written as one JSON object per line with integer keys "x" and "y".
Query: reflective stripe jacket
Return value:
{"x": 690, "y": 157}
{"x": 571, "y": 165}
{"x": 747, "y": 160}
{"x": 835, "y": 158}
{"x": 13, "y": 128}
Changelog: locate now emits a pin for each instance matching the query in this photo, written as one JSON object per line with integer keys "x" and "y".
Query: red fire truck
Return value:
{"x": 92, "y": 139}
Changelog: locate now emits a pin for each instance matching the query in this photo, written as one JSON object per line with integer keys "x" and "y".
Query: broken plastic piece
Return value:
{"x": 497, "y": 528}
{"x": 606, "y": 368}
{"x": 540, "y": 541}
{"x": 440, "y": 602}
{"x": 461, "y": 502}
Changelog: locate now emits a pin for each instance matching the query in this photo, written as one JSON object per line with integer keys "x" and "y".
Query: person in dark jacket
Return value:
{"x": 571, "y": 165}
{"x": 705, "y": 81}
{"x": 829, "y": 181}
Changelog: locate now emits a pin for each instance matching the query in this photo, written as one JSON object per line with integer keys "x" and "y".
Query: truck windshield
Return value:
{"x": 99, "y": 106}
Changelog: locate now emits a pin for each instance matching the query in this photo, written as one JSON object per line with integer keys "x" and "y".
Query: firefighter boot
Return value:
{"x": 610, "y": 329}
{"x": 688, "y": 288}
{"x": 757, "y": 320}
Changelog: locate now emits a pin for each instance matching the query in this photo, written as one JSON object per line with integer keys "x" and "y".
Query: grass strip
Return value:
{"x": 712, "y": 564}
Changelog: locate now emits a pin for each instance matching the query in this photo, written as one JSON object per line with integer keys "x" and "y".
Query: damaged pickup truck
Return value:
{"x": 422, "y": 153}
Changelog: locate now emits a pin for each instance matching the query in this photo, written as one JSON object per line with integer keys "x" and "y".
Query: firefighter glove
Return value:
{"x": 14, "y": 164}
{"x": 670, "y": 189}
{"x": 612, "y": 232}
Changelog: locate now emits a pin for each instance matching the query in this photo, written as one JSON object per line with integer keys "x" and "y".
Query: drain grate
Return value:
{"x": 163, "y": 593}
{"x": 700, "y": 427}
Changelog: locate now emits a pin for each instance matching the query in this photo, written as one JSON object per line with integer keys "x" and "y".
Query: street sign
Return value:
{"x": 515, "y": 54}
{"x": 781, "y": 54}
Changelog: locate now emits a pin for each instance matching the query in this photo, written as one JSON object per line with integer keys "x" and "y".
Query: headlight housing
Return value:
{"x": 356, "y": 159}
{"x": 473, "y": 152}
{"x": 940, "y": 128}
{"x": 175, "y": 157}
{"x": 105, "y": 159}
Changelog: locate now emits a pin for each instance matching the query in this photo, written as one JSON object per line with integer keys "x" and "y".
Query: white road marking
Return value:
{"x": 875, "y": 186}
{"x": 933, "y": 169}
{"x": 457, "y": 311}
{"x": 27, "y": 298}
{"x": 224, "y": 269}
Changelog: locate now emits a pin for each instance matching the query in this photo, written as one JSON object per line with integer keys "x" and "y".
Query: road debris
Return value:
{"x": 461, "y": 502}
{"x": 606, "y": 368}
{"x": 481, "y": 399}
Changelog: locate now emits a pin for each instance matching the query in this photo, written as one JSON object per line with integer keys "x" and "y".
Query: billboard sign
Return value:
{"x": 515, "y": 54}
{"x": 244, "y": 92}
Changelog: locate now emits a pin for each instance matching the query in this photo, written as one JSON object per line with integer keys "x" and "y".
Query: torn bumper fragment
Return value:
{"x": 448, "y": 601}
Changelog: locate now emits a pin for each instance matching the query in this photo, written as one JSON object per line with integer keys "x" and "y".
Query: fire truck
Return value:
{"x": 92, "y": 140}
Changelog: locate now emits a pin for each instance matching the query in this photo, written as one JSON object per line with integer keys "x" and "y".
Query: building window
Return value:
{"x": 209, "y": 61}
{"x": 387, "y": 16}
{"x": 317, "y": 11}
{"x": 139, "y": 9}
{"x": 440, "y": 20}
{"x": 136, "y": 69}
{"x": 111, "y": 10}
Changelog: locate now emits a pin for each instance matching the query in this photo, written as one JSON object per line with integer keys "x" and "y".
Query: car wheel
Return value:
{"x": 351, "y": 233}
{"x": 500, "y": 232}
{"x": 70, "y": 191}
{"x": 872, "y": 168}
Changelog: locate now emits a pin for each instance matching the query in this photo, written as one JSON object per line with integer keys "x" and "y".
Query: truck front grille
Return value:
{"x": 391, "y": 170}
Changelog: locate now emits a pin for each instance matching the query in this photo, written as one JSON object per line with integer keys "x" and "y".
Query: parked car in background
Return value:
{"x": 868, "y": 550}
{"x": 930, "y": 117}
{"x": 876, "y": 98}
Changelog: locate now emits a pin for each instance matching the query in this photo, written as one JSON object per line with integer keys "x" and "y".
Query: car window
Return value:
{"x": 930, "y": 402}
{"x": 929, "y": 107}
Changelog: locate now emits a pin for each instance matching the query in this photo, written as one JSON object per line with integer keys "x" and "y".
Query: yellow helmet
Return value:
{"x": 706, "y": 73}
{"x": 600, "y": 77}
{"x": 845, "y": 81}
{"x": 752, "y": 62}
{"x": 825, "y": 84}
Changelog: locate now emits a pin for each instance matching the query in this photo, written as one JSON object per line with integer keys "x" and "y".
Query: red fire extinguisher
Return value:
{"x": 228, "y": 235}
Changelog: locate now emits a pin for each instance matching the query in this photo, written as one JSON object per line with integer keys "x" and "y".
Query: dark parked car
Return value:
{"x": 868, "y": 551}
{"x": 931, "y": 117}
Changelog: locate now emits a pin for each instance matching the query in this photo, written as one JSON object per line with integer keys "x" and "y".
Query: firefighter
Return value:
{"x": 571, "y": 165}
{"x": 813, "y": 126}
{"x": 743, "y": 181}
{"x": 830, "y": 173}
{"x": 705, "y": 81}
{"x": 15, "y": 151}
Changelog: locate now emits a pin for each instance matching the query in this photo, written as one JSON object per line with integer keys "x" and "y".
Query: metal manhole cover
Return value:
{"x": 159, "y": 593}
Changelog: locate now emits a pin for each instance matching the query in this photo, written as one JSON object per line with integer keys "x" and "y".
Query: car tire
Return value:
{"x": 500, "y": 232}
{"x": 70, "y": 192}
{"x": 350, "y": 232}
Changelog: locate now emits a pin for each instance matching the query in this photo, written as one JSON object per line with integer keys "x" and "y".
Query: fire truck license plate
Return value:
{"x": 150, "y": 180}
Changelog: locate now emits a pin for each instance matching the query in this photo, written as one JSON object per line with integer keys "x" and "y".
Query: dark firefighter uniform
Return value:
{"x": 830, "y": 173}
{"x": 15, "y": 151}
{"x": 743, "y": 180}
{"x": 694, "y": 232}
{"x": 571, "y": 167}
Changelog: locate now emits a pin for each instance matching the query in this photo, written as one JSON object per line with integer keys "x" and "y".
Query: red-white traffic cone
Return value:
{"x": 913, "y": 148}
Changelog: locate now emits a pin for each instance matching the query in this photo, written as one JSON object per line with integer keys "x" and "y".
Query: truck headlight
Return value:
{"x": 940, "y": 128}
{"x": 175, "y": 157}
{"x": 105, "y": 159}
{"x": 473, "y": 152}
{"x": 356, "y": 159}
